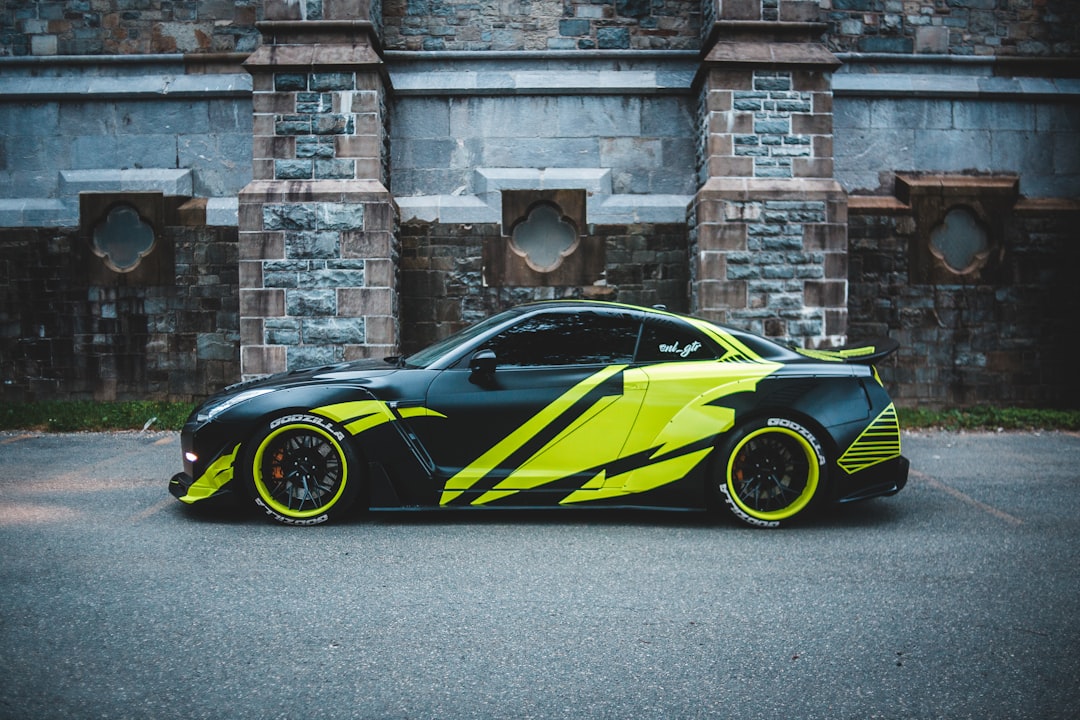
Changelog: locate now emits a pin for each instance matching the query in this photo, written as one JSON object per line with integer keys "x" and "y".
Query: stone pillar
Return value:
{"x": 318, "y": 245}
{"x": 769, "y": 222}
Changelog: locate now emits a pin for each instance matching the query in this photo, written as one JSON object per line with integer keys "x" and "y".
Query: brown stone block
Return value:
{"x": 281, "y": 103}
{"x": 831, "y": 238}
{"x": 381, "y": 215}
{"x": 251, "y": 273}
{"x": 739, "y": 10}
{"x": 730, "y": 166}
{"x": 811, "y": 124}
{"x": 712, "y": 266}
{"x": 281, "y": 148}
{"x": 741, "y": 123}
{"x": 262, "y": 125}
{"x": 263, "y": 359}
{"x": 823, "y": 103}
{"x": 251, "y": 331}
{"x": 836, "y": 266}
{"x": 799, "y": 10}
{"x": 718, "y": 101}
{"x": 365, "y": 101}
{"x": 818, "y": 81}
{"x": 719, "y": 145}
{"x": 709, "y": 211}
{"x": 262, "y": 169}
{"x": 812, "y": 167}
{"x": 262, "y": 302}
{"x": 722, "y": 237}
{"x": 362, "y": 302}
{"x": 250, "y": 216}
{"x": 358, "y": 146}
{"x": 836, "y": 210}
{"x": 346, "y": 10}
{"x": 731, "y": 79}
{"x": 836, "y": 321}
{"x": 360, "y": 244}
{"x": 714, "y": 294}
{"x": 369, "y": 168}
{"x": 282, "y": 10}
{"x": 262, "y": 246}
{"x": 379, "y": 273}
{"x": 380, "y": 330}
{"x": 825, "y": 293}
{"x": 823, "y": 146}
{"x": 261, "y": 81}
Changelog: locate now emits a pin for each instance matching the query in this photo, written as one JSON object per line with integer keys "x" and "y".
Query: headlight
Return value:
{"x": 209, "y": 412}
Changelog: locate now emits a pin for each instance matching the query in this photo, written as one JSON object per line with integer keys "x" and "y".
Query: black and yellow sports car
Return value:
{"x": 558, "y": 404}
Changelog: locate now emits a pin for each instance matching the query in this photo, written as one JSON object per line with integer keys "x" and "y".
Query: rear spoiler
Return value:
{"x": 865, "y": 353}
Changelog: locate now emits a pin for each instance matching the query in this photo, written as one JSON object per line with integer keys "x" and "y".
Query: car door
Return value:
{"x": 548, "y": 407}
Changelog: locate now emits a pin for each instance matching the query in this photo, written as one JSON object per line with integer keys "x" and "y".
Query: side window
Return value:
{"x": 567, "y": 339}
{"x": 673, "y": 342}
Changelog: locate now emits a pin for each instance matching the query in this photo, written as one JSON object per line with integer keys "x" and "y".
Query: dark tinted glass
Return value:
{"x": 673, "y": 341}
{"x": 567, "y": 339}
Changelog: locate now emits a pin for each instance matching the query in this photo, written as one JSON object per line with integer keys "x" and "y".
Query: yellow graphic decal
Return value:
{"x": 491, "y": 459}
{"x": 879, "y": 442}
{"x": 215, "y": 477}
{"x": 361, "y": 415}
{"x": 664, "y": 412}
{"x": 836, "y": 355}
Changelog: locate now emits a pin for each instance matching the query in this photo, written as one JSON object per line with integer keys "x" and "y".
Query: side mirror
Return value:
{"x": 483, "y": 362}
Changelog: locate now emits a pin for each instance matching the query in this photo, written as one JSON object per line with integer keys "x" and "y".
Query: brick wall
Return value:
{"x": 64, "y": 333}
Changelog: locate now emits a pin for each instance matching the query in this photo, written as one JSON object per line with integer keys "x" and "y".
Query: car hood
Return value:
{"x": 358, "y": 371}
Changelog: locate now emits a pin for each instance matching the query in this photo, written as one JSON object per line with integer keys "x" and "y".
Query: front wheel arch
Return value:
{"x": 768, "y": 471}
{"x": 301, "y": 469}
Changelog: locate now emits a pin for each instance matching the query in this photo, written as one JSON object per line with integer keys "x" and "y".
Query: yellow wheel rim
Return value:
{"x": 299, "y": 470}
{"x": 773, "y": 473}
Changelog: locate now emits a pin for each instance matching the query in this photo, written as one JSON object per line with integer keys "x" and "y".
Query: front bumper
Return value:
{"x": 179, "y": 485}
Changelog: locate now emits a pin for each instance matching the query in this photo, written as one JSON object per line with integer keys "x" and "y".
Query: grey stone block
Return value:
{"x": 312, "y": 244}
{"x": 952, "y": 150}
{"x": 667, "y": 117}
{"x": 339, "y": 216}
{"x": 289, "y": 216}
{"x": 599, "y": 116}
{"x": 301, "y": 302}
{"x": 506, "y": 117}
{"x": 541, "y": 152}
{"x": 306, "y": 356}
{"x": 293, "y": 169}
{"x": 167, "y": 181}
{"x": 333, "y": 330}
{"x": 993, "y": 115}
{"x": 910, "y": 113}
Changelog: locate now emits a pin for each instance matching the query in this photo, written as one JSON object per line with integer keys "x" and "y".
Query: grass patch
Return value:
{"x": 87, "y": 415}
{"x": 985, "y": 417}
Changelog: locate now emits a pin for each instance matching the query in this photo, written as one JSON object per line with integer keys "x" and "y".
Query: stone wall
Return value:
{"x": 1038, "y": 28}
{"x": 100, "y": 27}
{"x": 70, "y": 328}
{"x": 442, "y": 288}
{"x": 968, "y": 342}
{"x": 961, "y": 27}
{"x": 541, "y": 24}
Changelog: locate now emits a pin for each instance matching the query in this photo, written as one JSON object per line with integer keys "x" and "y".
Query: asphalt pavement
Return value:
{"x": 957, "y": 598}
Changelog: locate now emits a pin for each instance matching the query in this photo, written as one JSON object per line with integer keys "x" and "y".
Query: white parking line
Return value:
{"x": 963, "y": 497}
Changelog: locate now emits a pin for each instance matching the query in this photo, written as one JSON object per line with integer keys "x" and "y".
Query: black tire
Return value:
{"x": 300, "y": 470}
{"x": 769, "y": 472}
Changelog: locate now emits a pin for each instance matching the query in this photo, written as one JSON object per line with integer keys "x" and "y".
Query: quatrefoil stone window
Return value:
{"x": 123, "y": 238}
{"x": 960, "y": 241}
{"x": 545, "y": 238}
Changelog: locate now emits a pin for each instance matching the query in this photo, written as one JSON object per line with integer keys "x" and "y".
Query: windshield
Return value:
{"x": 440, "y": 349}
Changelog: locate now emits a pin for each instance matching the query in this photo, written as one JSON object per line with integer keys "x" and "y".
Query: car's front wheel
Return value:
{"x": 301, "y": 470}
{"x": 769, "y": 472}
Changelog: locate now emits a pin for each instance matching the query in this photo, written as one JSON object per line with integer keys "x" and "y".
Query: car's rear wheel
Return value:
{"x": 769, "y": 472}
{"x": 301, "y": 470}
